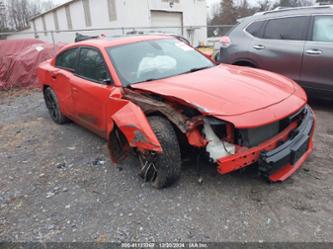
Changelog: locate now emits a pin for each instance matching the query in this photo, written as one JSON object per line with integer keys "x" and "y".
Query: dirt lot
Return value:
{"x": 57, "y": 184}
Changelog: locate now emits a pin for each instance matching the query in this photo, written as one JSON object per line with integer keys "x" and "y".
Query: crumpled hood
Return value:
{"x": 224, "y": 90}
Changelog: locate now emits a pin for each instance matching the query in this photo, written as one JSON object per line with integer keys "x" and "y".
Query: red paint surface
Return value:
{"x": 236, "y": 94}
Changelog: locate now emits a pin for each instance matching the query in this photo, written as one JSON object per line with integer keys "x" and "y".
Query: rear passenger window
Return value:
{"x": 67, "y": 59}
{"x": 291, "y": 28}
{"x": 256, "y": 29}
{"x": 92, "y": 65}
{"x": 323, "y": 29}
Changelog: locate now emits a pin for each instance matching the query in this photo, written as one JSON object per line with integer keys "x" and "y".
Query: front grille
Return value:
{"x": 253, "y": 137}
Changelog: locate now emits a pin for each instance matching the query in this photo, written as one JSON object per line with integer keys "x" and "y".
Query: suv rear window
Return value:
{"x": 290, "y": 28}
{"x": 256, "y": 28}
{"x": 323, "y": 29}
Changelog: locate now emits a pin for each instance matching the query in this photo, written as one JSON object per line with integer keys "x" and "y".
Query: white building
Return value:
{"x": 169, "y": 16}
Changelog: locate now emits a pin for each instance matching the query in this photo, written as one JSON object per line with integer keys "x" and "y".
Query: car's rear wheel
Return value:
{"x": 165, "y": 168}
{"x": 52, "y": 105}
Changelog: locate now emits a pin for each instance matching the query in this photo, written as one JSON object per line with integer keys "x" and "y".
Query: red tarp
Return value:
{"x": 19, "y": 60}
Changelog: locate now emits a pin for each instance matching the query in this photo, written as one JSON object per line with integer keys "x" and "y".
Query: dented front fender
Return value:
{"x": 133, "y": 123}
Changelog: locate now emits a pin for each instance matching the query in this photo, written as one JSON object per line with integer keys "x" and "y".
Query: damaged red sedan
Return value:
{"x": 159, "y": 97}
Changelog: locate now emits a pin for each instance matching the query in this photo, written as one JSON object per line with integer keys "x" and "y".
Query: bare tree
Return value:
{"x": 324, "y": 2}
{"x": 47, "y": 5}
{"x": 244, "y": 9}
{"x": 228, "y": 13}
{"x": 295, "y": 3}
{"x": 16, "y": 14}
{"x": 306, "y": 2}
{"x": 264, "y": 5}
{"x": 216, "y": 9}
{"x": 3, "y": 17}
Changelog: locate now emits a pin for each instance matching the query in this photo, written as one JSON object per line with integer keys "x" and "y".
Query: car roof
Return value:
{"x": 284, "y": 12}
{"x": 117, "y": 41}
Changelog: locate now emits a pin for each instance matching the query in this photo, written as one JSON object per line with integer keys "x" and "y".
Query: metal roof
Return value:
{"x": 297, "y": 9}
{"x": 54, "y": 9}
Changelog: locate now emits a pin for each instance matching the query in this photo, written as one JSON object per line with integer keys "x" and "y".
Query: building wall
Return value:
{"x": 129, "y": 13}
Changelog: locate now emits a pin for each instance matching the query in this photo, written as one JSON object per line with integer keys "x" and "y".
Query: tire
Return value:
{"x": 168, "y": 164}
{"x": 53, "y": 107}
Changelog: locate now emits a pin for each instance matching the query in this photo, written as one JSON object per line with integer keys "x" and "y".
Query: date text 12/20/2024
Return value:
{"x": 164, "y": 245}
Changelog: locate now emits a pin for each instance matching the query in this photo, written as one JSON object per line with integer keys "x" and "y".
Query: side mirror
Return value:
{"x": 107, "y": 81}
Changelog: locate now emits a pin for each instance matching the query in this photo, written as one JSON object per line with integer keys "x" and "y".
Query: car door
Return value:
{"x": 91, "y": 89}
{"x": 61, "y": 77}
{"x": 317, "y": 70}
{"x": 280, "y": 49}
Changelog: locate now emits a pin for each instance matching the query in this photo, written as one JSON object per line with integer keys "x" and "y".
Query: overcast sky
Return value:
{"x": 59, "y": 1}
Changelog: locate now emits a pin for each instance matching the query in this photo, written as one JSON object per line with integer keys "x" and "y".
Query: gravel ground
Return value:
{"x": 58, "y": 184}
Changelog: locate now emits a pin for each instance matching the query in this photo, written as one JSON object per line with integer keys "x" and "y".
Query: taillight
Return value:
{"x": 225, "y": 41}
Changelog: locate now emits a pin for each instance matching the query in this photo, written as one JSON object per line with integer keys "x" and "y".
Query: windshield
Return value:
{"x": 155, "y": 59}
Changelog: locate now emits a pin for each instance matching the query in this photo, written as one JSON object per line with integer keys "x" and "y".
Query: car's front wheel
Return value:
{"x": 52, "y": 105}
{"x": 165, "y": 168}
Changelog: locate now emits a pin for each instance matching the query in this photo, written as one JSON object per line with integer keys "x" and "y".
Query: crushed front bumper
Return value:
{"x": 280, "y": 163}
{"x": 279, "y": 157}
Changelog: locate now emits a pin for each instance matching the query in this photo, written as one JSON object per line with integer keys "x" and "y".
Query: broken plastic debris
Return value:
{"x": 216, "y": 148}
{"x": 98, "y": 162}
{"x": 61, "y": 165}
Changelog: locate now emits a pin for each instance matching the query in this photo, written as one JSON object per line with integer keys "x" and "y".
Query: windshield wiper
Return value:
{"x": 147, "y": 80}
{"x": 189, "y": 71}
{"x": 196, "y": 69}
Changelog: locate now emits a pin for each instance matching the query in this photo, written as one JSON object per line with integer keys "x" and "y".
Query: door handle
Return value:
{"x": 54, "y": 77}
{"x": 259, "y": 47}
{"x": 313, "y": 52}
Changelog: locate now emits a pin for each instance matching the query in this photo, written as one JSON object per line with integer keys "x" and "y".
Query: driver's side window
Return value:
{"x": 92, "y": 65}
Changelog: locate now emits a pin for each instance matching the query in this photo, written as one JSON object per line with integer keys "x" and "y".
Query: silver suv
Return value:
{"x": 295, "y": 42}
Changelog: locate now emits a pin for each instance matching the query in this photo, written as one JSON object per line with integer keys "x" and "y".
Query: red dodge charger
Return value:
{"x": 161, "y": 98}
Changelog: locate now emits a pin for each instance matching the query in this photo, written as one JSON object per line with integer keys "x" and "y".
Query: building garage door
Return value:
{"x": 162, "y": 20}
